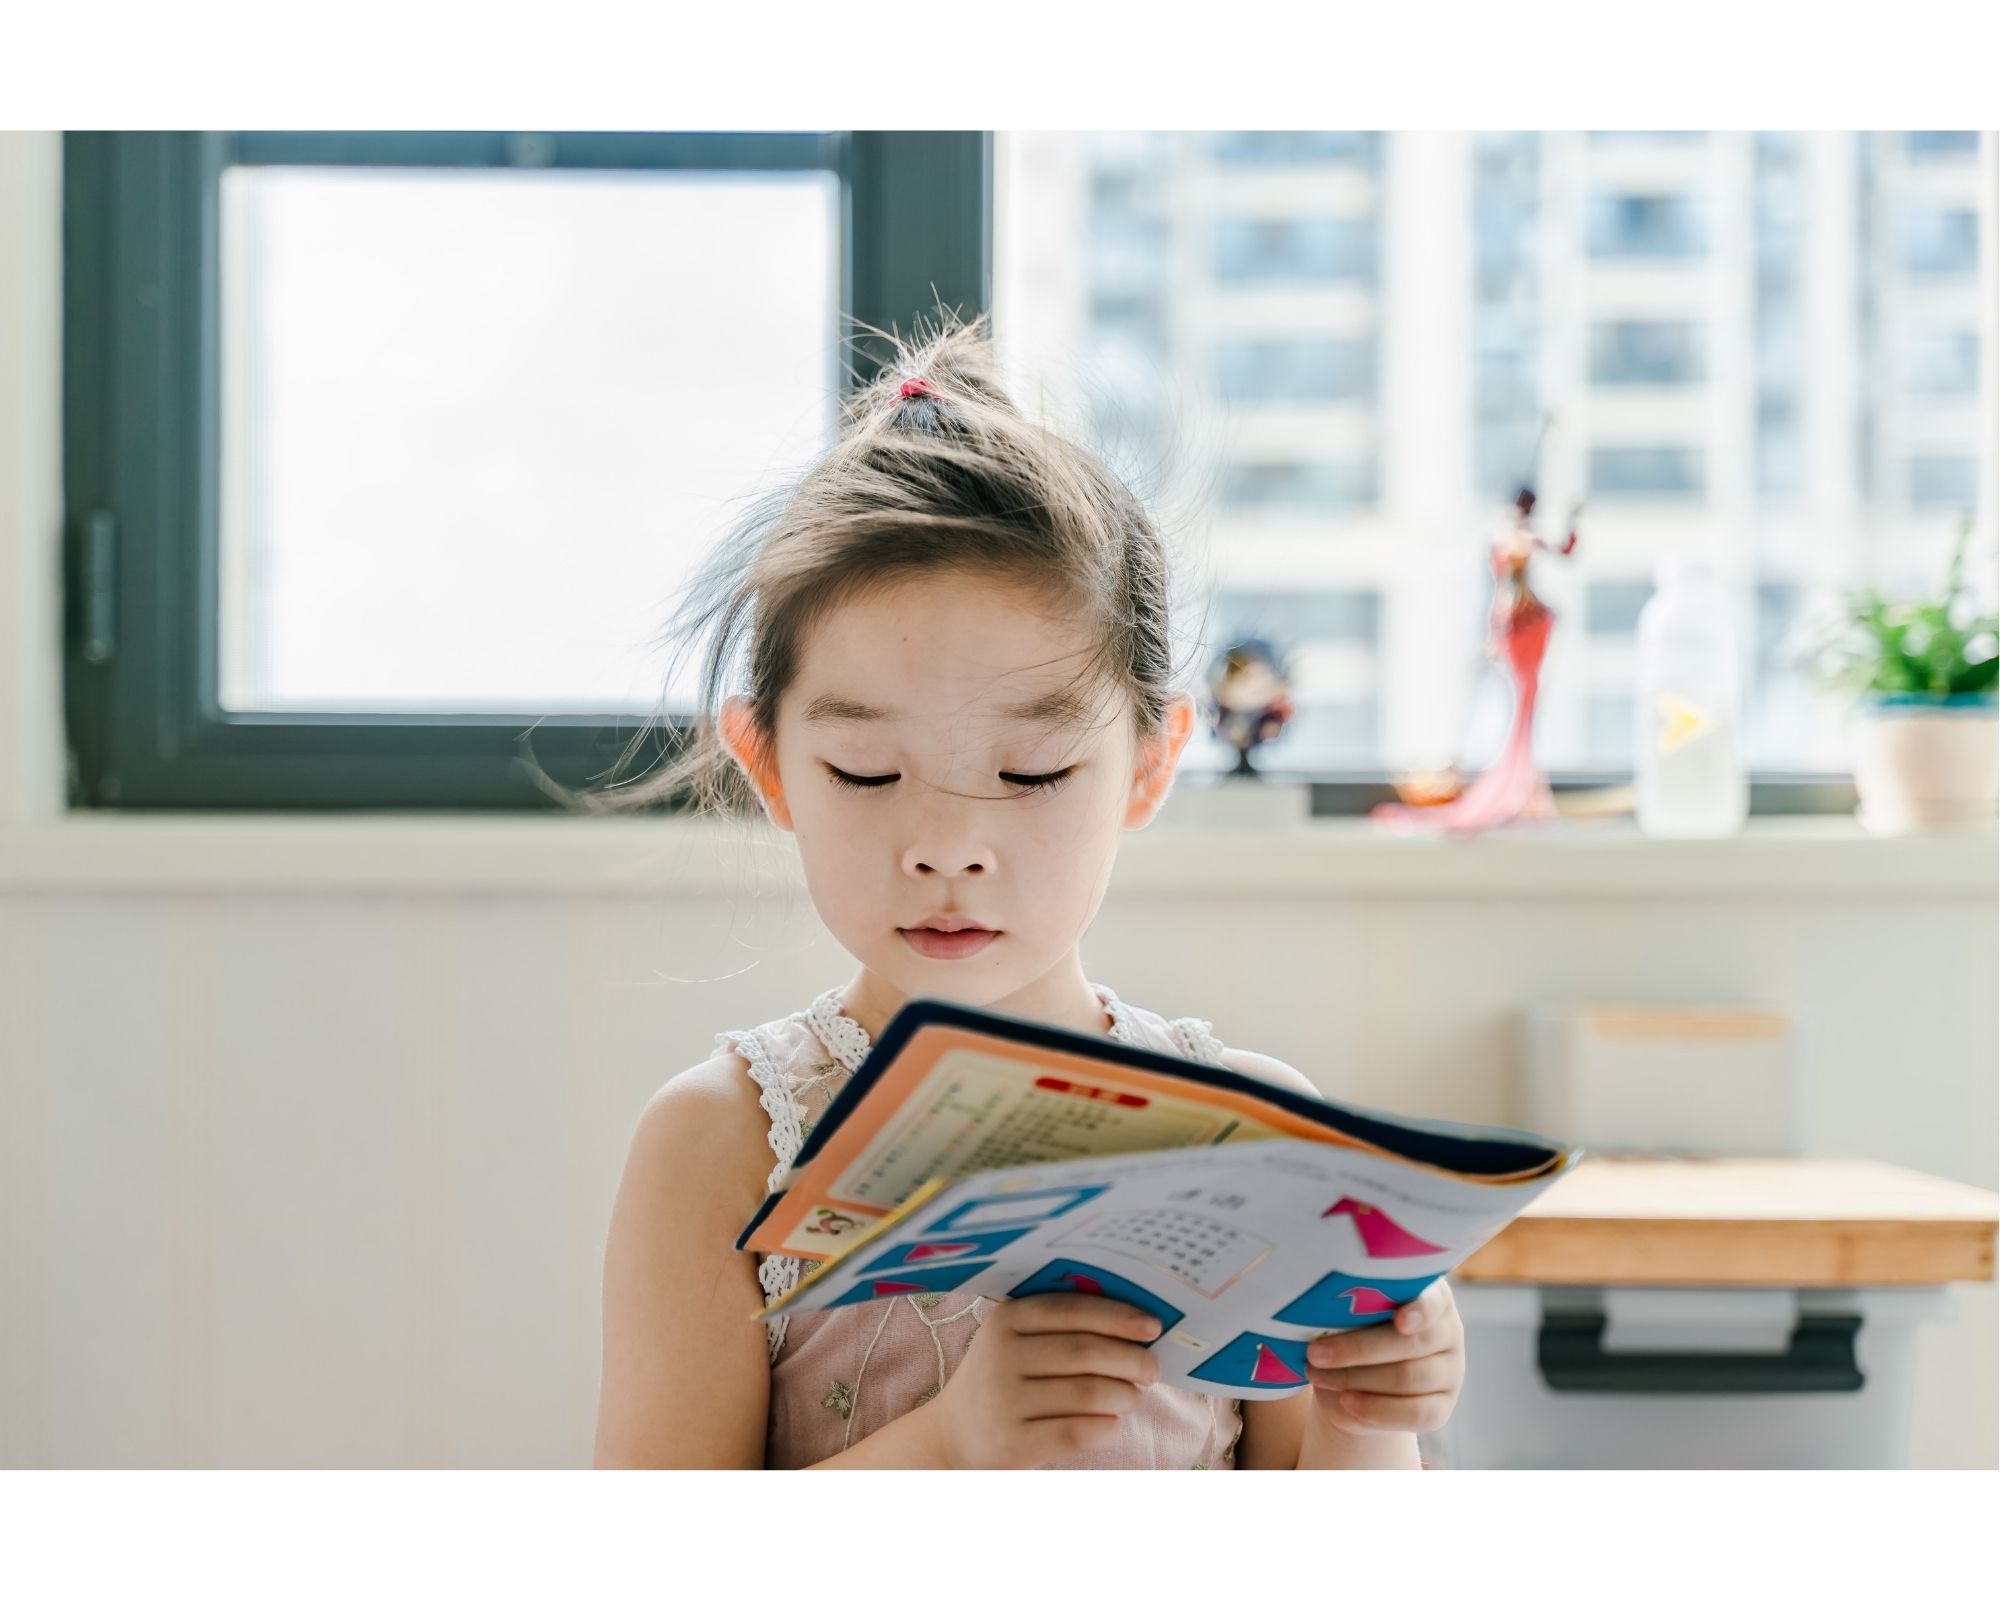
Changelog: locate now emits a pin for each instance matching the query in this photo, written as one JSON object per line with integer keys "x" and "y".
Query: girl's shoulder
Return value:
{"x": 1194, "y": 1037}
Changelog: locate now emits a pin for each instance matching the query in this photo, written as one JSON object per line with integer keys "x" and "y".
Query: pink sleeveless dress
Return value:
{"x": 838, "y": 1375}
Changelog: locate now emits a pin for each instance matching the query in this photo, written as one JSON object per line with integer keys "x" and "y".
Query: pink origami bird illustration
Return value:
{"x": 1083, "y": 1285}
{"x": 1380, "y": 1234}
{"x": 1271, "y": 1369}
{"x": 1364, "y": 1300}
{"x": 919, "y": 1252}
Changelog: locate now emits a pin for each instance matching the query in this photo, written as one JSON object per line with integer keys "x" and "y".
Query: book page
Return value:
{"x": 1246, "y": 1253}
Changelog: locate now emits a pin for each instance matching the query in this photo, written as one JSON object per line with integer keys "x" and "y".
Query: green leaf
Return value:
{"x": 1980, "y": 677}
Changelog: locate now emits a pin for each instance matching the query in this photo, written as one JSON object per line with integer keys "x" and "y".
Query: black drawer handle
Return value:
{"x": 1820, "y": 1359}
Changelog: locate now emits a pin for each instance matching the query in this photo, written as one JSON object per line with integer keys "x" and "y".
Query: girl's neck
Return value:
{"x": 1062, "y": 998}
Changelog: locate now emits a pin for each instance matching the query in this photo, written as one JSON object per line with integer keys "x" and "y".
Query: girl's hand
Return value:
{"x": 1399, "y": 1376}
{"x": 1045, "y": 1376}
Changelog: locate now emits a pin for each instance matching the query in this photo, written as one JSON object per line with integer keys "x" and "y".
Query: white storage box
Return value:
{"x": 1684, "y": 1377}
{"x": 1664, "y": 1079}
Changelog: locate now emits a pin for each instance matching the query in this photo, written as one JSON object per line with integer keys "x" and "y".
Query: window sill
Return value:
{"x": 1792, "y": 857}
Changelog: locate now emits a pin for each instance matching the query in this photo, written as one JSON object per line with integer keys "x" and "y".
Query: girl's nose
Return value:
{"x": 935, "y": 859}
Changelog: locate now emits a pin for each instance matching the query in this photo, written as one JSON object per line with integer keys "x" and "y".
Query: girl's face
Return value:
{"x": 919, "y": 781}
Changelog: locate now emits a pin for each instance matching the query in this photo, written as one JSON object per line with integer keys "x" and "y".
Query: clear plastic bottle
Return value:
{"x": 1687, "y": 758}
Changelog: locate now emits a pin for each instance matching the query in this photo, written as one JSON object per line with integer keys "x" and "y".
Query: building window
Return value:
{"x": 1645, "y": 352}
{"x": 1652, "y": 227}
{"x": 1294, "y": 147}
{"x": 1943, "y": 481}
{"x": 1299, "y": 371}
{"x": 1944, "y": 363}
{"x": 1940, "y": 243}
{"x": 1645, "y": 470}
{"x": 1613, "y": 608}
{"x": 1930, "y": 146}
{"x": 1298, "y": 485}
{"x": 1295, "y": 249}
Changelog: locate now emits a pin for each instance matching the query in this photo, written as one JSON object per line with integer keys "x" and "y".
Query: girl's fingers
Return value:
{"x": 1394, "y": 1413}
{"x": 1426, "y": 1309}
{"x": 1088, "y": 1396}
{"x": 1067, "y": 1355}
{"x": 1361, "y": 1347}
{"x": 1425, "y": 1375}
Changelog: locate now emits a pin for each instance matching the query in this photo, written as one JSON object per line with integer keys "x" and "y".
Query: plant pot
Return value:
{"x": 1927, "y": 763}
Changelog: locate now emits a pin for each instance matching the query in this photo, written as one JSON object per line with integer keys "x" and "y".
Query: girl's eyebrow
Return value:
{"x": 1058, "y": 705}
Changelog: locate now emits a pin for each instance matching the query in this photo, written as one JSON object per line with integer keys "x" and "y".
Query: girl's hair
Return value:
{"x": 942, "y": 477}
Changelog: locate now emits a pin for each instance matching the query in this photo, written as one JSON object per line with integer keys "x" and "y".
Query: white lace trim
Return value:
{"x": 847, "y": 1042}
{"x": 1197, "y": 1040}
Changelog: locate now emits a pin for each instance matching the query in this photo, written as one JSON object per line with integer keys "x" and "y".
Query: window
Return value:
{"x": 1296, "y": 371}
{"x": 1645, "y": 470}
{"x": 1645, "y": 352}
{"x": 1302, "y": 249}
{"x": 1295, "y": 147}
{"x": 1940, "y": 243}
{"x": 1946, "y": 146}
{"x": 389, "y": 483}
{"x": 1942, "y": 363}
{"x": 1660, "y": 296}
{"x": 1943, "y": 481}
{"x": 448, "y": 420}
{"x": 1613, "y": 608}
{"x": 1298, "y": 485}
{"x": 1349, "y": 423}
{"x": 1660, "y": 227}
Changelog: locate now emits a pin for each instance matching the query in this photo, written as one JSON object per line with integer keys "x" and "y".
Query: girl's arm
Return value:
{"x": 686, "y": 1374}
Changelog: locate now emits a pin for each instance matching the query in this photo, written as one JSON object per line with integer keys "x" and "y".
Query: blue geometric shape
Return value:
{"x": 928, "y": 1251}
{"x": 1341, "y": 1301}
{"x": 1238, "y": 1362}
{"x": 1031, "y": 1206}
{"x": 918, "y": 1280}
{"x": 1058, "y": 1277}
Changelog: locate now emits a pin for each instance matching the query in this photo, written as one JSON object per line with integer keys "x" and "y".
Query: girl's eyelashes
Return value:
{"x": 1029, "y": 781}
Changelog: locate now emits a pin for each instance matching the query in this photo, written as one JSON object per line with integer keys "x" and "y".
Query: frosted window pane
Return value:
{"x": 478, "y": 426}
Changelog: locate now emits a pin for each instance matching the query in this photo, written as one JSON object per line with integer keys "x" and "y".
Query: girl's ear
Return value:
{"x": 741, "y": 738}
{"x": 1153, "y": 774}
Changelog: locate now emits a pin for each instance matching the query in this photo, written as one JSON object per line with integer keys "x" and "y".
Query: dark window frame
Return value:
{"x": 141, "y": 416}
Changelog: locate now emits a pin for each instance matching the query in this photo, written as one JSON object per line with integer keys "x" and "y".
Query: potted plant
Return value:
{"x": 1923, "y": 678}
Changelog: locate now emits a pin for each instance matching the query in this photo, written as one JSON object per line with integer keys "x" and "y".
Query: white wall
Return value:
{"x": 304, "y": 1165}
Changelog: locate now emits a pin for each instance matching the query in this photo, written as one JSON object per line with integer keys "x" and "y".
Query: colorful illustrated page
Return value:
{"x": 1245, "y": 1253}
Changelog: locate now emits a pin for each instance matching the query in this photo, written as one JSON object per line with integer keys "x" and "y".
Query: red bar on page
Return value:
{"x": 1090, "y": 1091}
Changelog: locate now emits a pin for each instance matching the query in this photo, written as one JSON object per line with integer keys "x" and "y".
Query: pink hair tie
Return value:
{"x": 912, "y": 387}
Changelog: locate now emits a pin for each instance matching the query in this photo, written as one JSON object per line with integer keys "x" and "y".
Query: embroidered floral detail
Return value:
{"x": 929, "y": 1394}
{"x": 1201, "y": 1466}
{"x": 822, "y": 1069}
{"x": 839, "y": 1398}
{"x": 806, "y": 1127}
{"x": 927, "y": 1300}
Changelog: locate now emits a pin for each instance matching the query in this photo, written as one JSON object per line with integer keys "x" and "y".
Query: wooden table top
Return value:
{"x": 1799, "y": 1221}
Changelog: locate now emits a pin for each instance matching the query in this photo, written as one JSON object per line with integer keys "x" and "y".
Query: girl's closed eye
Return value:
{"x": 1030, "y": 782}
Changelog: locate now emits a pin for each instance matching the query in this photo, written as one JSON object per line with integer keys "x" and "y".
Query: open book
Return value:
{"x": 979, "y": 1153}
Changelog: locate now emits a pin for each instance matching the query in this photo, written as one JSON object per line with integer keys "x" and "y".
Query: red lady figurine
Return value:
{"x": 1519, "y": 627}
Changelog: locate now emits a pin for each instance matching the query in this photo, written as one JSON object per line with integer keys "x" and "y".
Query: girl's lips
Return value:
{"x": 948, "y": 946}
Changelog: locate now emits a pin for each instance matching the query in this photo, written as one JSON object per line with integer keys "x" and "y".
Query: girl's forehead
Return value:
{"x": 946, "y": 643}
{"x": 947, "y": 651}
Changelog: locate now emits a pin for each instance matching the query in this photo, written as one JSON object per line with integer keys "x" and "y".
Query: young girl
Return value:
{"x": 958, "y": 696}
